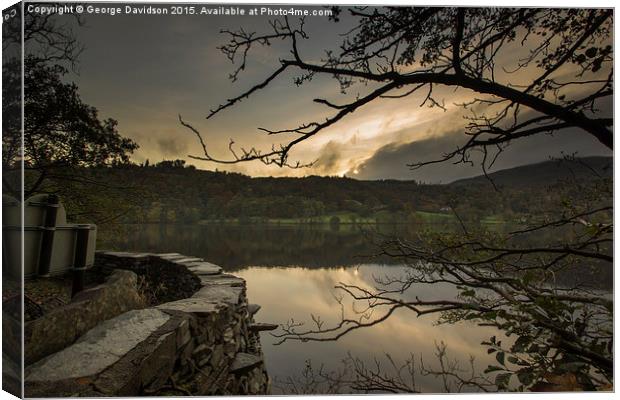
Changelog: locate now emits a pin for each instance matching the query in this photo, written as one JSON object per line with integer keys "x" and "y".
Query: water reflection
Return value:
{"x": 291, "y": 272}
{"x": 296, "y": 292}
{"x": 238, "y": 246}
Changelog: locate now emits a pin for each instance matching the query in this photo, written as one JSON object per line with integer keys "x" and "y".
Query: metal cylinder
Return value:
{"x": 81, "y": 255}
{"x": 47, "y": 237}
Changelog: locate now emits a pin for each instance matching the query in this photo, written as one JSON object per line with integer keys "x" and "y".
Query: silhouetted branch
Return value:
{"x": 406, "y": 47}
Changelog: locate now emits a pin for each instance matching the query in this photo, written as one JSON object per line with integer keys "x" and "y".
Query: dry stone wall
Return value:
{"x": 203, "y": 344}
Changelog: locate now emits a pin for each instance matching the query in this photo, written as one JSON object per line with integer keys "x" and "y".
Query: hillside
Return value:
{"x": 172, "y": 192}
{"x": 545, "y": 173}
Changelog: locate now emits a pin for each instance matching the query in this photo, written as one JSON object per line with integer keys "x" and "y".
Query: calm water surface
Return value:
{"x": 291, "y": 272}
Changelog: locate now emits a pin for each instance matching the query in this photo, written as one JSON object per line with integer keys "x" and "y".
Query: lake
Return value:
{"x": 291, "y": 272}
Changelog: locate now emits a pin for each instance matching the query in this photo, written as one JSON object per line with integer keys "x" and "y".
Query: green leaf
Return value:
{"x": 500, "y": 357}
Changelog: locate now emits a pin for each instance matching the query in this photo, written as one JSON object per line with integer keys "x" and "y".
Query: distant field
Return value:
{"x": 431, "y": 217}
{"x": 346, "y": 217}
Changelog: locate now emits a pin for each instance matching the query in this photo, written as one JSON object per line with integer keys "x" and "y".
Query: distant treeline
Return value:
{"x": 171, "y": 192}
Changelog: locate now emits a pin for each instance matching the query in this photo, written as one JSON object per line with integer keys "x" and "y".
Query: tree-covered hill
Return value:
{"x": 541, "y": 174}
{"x": 170, "y": 191}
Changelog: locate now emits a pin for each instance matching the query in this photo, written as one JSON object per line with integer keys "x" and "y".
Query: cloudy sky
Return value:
{"x": 145, "y": 70}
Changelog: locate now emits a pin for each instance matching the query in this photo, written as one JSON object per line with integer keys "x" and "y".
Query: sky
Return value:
{"x": 146, "y": 70}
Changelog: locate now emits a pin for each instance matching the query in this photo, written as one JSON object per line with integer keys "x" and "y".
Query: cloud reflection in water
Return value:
{"x": 296, "y": 292}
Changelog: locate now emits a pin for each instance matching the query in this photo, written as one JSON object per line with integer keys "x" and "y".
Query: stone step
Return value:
{"x": 194, "y": 305}
{"x": 220, "y": 294}
{"x": 244, "y": 362}
{"x": 262, "y": 326}
{"x": 222, "y": 279}
{"x": 204, "y": 268}
{"x": 164, "y": 255}
{"x": 253, "y": 309}
{"x": 171, "y": 256}
{"x": 186, "y": 260}
{"x": 100, "y": 355}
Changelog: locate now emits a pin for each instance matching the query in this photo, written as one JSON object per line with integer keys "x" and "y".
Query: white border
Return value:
{"x": 491, "y": 3}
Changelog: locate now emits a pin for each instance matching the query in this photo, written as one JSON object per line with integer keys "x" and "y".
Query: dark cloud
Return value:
{"x": 329, "y": 159}
{"x": 172, "y": 147}
{"x": 391, "y": 161}
{"x": 144, "y": 70}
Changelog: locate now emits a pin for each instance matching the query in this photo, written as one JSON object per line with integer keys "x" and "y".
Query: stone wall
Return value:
{"x": 62, "y": 326}
{"x": 206, "y": 344}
